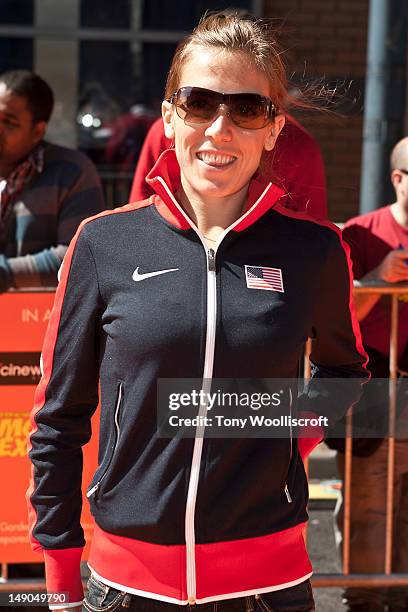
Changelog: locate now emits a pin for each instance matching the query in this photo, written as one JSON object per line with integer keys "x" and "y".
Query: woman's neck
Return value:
{"x": 212, "y": 215}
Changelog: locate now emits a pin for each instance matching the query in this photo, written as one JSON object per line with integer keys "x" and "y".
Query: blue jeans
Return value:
{"x": 101, "y": 598}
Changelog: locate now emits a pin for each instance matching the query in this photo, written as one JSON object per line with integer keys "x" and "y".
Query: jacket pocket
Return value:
{"x": 286, "y": 489}
{"x": 101, "y": 475}
{"x": 102, "y": 598}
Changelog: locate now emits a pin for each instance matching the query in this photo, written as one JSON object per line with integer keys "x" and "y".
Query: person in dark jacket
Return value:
{"x": 45, "y": 190}
{"x": 210, "y": 278}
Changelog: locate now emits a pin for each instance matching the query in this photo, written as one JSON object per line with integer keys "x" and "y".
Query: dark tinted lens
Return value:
{"x": 248, "y": 111}
{"x": 196, "y": 105}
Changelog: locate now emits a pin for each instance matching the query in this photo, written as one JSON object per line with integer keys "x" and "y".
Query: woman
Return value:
{"x": 208, "y": 278}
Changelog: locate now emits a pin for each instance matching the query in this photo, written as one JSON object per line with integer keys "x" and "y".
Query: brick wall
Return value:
{"x": 328, "y": 38}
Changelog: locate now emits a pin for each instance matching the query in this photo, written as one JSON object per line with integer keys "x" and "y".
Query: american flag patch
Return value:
{"x": 259, "y": 277}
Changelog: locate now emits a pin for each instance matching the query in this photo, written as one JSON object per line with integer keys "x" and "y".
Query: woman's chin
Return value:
{"x": 212, "y": 188}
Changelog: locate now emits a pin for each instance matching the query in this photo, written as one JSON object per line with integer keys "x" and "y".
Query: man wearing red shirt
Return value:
{"x": 294, "y": 164}
{"x": 379, "y": 251}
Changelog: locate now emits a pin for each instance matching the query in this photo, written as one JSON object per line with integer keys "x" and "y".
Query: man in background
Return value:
{"x": 379, "y": 251}
{"x": 295, "y": 164}
{"x": 45, "y": 190}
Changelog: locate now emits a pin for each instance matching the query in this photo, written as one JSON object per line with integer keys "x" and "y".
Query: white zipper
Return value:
{"x": 199, "y": 438}
{"x": 207, "y": 376}
{"x": 117, "y": 427}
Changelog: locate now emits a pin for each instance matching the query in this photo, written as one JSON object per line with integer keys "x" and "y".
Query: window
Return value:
{"x": 17, "y": 12}
{"x": 16, "y": 53}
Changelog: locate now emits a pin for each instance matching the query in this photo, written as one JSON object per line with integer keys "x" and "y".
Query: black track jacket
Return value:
{"x": 183, "y": 520}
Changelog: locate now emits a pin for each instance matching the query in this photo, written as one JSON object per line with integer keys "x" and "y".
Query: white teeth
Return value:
{"x": 219, "y": 160}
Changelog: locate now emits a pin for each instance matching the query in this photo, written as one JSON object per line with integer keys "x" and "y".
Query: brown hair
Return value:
{"x": 236, "y": 31}
{"x": 38, "y": 94}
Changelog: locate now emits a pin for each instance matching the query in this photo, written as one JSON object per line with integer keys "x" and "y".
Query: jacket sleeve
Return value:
{"x": 65, "y": 400}
{"x": 313, "y": 192}
{"x": 355, "y": 236}
{"x": 79, "y": 196}
{"x": 298, "y": 166}
{"x": 338, "y": 359}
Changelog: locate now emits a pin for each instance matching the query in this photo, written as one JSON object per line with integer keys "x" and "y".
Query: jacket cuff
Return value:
{"x": 63, "y": 576}
{"x": 309, "y": 435}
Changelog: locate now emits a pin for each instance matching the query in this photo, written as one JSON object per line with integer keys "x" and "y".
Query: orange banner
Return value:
{"x": 24, "y": 317}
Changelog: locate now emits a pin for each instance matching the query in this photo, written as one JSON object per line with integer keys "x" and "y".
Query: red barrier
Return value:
{"x": 24, "y": 317}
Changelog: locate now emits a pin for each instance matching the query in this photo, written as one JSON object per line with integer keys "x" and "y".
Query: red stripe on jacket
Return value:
{"x": 223, "y": 569}
{"x": 70, "y": 557}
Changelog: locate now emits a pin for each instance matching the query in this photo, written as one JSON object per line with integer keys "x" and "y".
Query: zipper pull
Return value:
{"x": 288, "y": 497}
{"x": 211, "y": 260}
{"x": 93, "y": 490}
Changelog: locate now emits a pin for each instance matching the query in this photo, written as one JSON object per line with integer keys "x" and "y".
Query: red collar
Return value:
{"x": 164, "y": 179}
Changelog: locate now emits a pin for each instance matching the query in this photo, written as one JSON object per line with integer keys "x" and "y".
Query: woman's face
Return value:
{"x": 238, "y": 150}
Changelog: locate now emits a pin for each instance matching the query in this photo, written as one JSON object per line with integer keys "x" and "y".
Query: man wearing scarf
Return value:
{"x": 45, "y": 190}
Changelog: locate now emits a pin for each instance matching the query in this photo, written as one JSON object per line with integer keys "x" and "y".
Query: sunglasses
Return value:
{"x": 247, "y": 110}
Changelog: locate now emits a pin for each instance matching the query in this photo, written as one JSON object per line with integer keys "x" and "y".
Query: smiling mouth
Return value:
{"x": 216, "y": 161}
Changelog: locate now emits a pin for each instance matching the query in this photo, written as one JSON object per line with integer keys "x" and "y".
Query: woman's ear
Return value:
{"x": 273, "y": 132}
{"x": 167, "y": 114}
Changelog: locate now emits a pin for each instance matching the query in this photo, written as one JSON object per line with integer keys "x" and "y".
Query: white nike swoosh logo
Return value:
{"x": 139, "y": 277}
